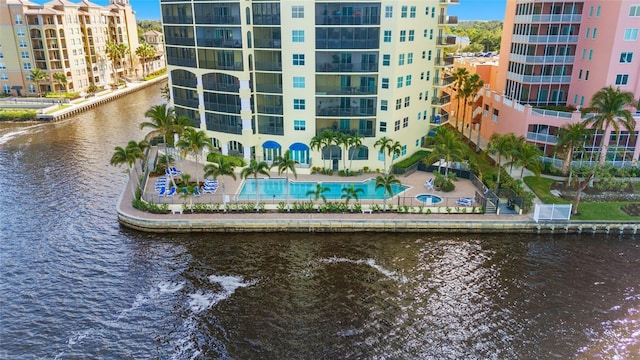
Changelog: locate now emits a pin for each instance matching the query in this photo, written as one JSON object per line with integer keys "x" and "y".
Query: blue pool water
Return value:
{"x": 276, "y": 189}
{"x": 426, "y": 197}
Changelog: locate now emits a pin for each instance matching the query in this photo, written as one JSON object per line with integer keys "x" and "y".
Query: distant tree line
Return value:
{"x": 484, "y": 36}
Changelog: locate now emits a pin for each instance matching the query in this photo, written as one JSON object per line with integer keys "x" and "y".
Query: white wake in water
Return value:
{"x": 4, "y": 138}
{"x": 370, "y": 262}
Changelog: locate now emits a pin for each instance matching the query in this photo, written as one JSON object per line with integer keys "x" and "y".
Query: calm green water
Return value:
{"x": 75, "y": 285}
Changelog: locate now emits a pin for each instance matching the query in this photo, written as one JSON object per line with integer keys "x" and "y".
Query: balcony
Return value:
{"x": 269, "y": 88}
{"x": 540, "y": 79}
{"x": 346, "y": 90}
{"x": 550, "y": 59}
{"x": 442, "y": 100}
{"x": 338, "y": 111}
{"x": 270, "y": 109}
{"x": 447, "y": 20}
{"x": 446, "y": 81}
{"x": 268, "y": 66}
{"x": 267, "y": 43}
{"x": 545, "y": 39}
{"x": 192, "y": 103}
{"x": 446, "y": 40}
{"x": 548, "y": 18}
{"x": 447, "y": 61}
{"x": 539, "y": 137}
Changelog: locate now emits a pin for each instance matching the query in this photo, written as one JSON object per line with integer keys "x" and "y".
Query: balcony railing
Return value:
{"x": 544, "y": 59}
{"x": 443, "y": 100}
{"x": 548, "y": 18}
{"x": 533, "y": 136}
{"x": 542, "y": 79}
{"x": 351, "y": 131}
{"x": 268, "y": 66}
{"x": 446, "y": 40}
{"x": 270, "y": 109}
{"x": 349, "y": 90}
{"x": 447, "y": 61}
{"x": 270, "y": 130}
{"x": 337, "y": 67}
{"x": 447, "y": 20}
{"x": 269, "y": 88}
{"x": 338, "y": 111}
{"x": 545, "y": 39}
{"x": 443, "y": 82}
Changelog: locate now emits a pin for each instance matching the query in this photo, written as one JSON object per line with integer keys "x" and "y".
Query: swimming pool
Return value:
{"x": 429, "y": 199}
{"x": 277, "y": 189}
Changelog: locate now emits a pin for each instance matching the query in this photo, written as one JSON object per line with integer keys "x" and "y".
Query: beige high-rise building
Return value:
{"x": 64, "y": 37}
{"x": 264, "y": 77}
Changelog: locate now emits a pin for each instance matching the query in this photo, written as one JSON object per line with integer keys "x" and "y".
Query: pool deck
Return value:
{"x": 389, "y": 221}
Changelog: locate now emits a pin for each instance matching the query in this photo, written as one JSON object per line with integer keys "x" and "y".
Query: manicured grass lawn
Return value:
{"x": 58, "y": 108}
{"x": 588, "y": 210}
{"x": 603, "y": 211}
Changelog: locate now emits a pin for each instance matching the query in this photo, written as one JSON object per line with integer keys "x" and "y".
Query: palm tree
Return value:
{"x": 145, "y": 52}
{"x": 343, "y": 141}
{"x": 350, "y": 192}
{"x": 499, "y": 145}
{"x": 163, "y": 122}
{"x": 328, "y": 138}
{"x": 459, "y": 78}
{"x": 386, "y": 182}
{"x": 571, "y": 137}
{"x": 472, "y": 86}
{"x": 447, "y": 145}
{"x": 253, "y": 170}
{"x": 61, "y": 78}
{"x": 221, "y": 168}
{"x": 318, "y": 193}
{"x": 193, "y": 141}
{"x": 285, "y": 164}
{"x": 38, "y": 76}
{"x": 469, "y": 89}
{"x": 394, "y": 150}
{"x": 116, "y": 53}
{"x": 611, "y": 111}
{"x": 128, "y": 155}
{"x": 383, "y": 144}
{"x": 528, "y": 155}
{"x": 516, "y": 143}
{"x": 355, "y": 142}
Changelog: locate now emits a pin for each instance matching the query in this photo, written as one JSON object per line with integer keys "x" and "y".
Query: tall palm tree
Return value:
{"x": 38, "y": 76}
{"x": 459, "y": 78}
{"x": 515, "y": 145}
{"x": 393, "y": 150}
{"x": 528, "y": 155}
{"x": 128, "y": 155}
{"x": 254, "y": 169}
{"x": 285, "y": 164}
{"x": 499, "y": 145}
{"x": 343, "y": 140}
{"x": 355, "y": 142}
{"x": 611, "y": 108}
{"x": 116, "y": 53}
{"x": 317, "y": 144}
{"x": 471, "y": 87}
{"x": 447, "y": 145}
{"x": 328, "y": 138}
{"x": 351, "y": 192}
{"x": 222, "y": 167}
{"x": 318, "y": 193}
{"x": 163, "y": 123}
{"x": 145, "y": 52}
{"x": 570, "y": 138}
{"x": 61, "y": 78}
{"x": 383, "y": 144}
{"x": 386, "y": 182}
{"x": 193, "y": 141}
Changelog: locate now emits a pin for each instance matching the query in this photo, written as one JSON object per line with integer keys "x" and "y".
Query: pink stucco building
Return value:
{"x": 561, "y": 53}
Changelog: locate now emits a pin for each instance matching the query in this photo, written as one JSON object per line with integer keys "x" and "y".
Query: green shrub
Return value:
{"x": 17, "y": 115}
{"x": 411, "y": 160}
{"x": 236, "y": 161}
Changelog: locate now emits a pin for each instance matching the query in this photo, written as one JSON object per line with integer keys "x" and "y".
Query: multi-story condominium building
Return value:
{"x": 63, "y": 37}
{"x": 155, "y": 39}
{"x": 263, "y": 77}
{"x": 561, "y": 53}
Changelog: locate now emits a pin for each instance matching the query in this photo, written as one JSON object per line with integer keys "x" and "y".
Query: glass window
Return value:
{"x": 384, "y": 105}
{"x": 595, "y": 32}
{"x": 626, "y": 57}
{"x": 584, "y": 53}
{"x": 401, "y": 59}
{"x": 23, "y": 44}
{"x": 411, "y": 35}
{"x": 598, "y": 11}
{"x": 407, "y": 100}
{"x": 381, "y": 155}
{"x": 383, "y": 126}
{"x": 299, "y": 104}
{"x": 298, "y": 59}
{"x": 299, "y": 125}
{"x": 386, "y": 60}
{"x": 20, "y": 32}
{"x": 404, "y": 12}
{"x": 385, "y": 83}
{"x": 410, "y": 58}
{"x": 586, "y": 75}
{"x": 622, "y": 79}
{"x": 6, "y": 88}
{"x": 433, "y": 12}
{"x": 429, "y": 57}
{"x": 590, "y": 54}
{"x": 634, "y": 10}
{"x": 431, "y": 34}
{"x": 413, "y": 12}
{"x": 298, "y": 82}
{"x": 24, "y": 54}
{"x": 403, "y": 35}
{"x": 396, "y": 125}
{"x": 297, "y": 35}
{"x": 297, "y": 12}
{"x": 407, "y": 80}
{"x": 590, "y": 11}
{"x": 3, "y": 76}
{"x": 398, "y": 104}
{"x": 631, "y": 34}
{"x": 424, "y": 54}
{"x": 403, "y": 150}
{"x": 18, "y": 20}
{"x": 387, "y": 36}
{"x": 399, "y": 82}
{"x": 388, "y": 11}
{"x": 429, "y": 75}
{"x": 26, "y": 66}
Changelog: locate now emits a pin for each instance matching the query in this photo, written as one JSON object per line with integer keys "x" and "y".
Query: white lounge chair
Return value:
{"x": 429, "y": 184}
{"x": 172, "y": 191}
{"x": 465, "y": 201}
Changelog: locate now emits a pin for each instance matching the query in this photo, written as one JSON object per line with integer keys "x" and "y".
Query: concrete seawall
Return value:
{"x": 98, "y": 100}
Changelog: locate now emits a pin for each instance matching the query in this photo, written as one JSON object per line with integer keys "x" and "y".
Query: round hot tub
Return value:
{"x": 429, "y": 199}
